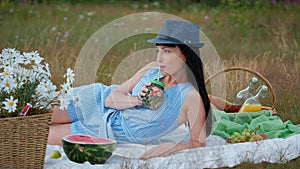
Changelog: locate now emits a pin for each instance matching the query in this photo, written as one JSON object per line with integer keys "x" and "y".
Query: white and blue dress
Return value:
{"x": 133, "y": 125}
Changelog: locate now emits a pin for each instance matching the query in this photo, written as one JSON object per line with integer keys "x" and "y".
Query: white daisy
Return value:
{"x": 38, "y": 69}
{"x": 47, "y": 70}
{"x": 45, "y": 88}
{"x": 70, "y": 75}
{"x": 10, "y": 104}
{"x": 8, "y": 52}
{"x": 9, "y": 55}
{"x": 27, "y": 57}
{"x": 19, "y": 59}
{"x": 77, "y": 100}
{"x": 31, "y": 75}
{"x": 7, "y": 71}
{"x": 64, "y": 101}
{"x": 66, "y": 87}
{"x": 20, "y": 74}
{"x": 8, "y": 84}
{"x": 36, "y": 58}
{"x": 49, "y": 85}
{"x": 44, "y": 104}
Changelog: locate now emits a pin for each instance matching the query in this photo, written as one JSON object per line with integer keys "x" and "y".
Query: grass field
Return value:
{"x": 264, "y": 37}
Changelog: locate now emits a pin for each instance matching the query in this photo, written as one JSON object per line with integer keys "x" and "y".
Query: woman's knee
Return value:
{"x": 57, "y": 132}
{"x": 59, "y": 116}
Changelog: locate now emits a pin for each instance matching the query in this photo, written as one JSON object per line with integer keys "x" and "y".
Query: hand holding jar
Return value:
{"x": 152, "y": 94}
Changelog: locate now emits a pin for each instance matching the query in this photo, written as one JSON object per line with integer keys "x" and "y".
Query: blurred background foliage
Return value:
{"x": 259, "y": 34}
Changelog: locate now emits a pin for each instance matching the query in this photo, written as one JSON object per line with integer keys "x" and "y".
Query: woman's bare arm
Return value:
{"x": 195, "y": 116}
{"x": 119, "y": 99}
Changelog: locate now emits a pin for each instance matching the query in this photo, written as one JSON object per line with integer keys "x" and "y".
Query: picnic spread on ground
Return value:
{"x": 282, "y": 145}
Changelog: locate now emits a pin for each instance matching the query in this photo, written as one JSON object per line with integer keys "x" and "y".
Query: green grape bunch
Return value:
{"x": 247, "y": 135}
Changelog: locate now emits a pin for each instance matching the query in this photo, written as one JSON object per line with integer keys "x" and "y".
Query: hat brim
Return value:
{"x": 158, "y": 40}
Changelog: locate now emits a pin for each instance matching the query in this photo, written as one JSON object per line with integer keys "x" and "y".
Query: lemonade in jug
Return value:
{"x": 253, "y": 103}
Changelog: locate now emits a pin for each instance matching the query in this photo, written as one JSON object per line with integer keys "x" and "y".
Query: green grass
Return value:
{"x": 293, "y": 164}
{"x": 263, "y": 37}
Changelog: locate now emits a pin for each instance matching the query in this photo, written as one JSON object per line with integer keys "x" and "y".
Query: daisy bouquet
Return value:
{"x": 25, "y": 85}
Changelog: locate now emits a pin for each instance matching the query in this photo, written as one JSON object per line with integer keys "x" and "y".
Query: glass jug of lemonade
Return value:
{"x": 253, "y": 103}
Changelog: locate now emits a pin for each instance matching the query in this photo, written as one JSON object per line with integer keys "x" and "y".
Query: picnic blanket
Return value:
{"x": 225, "y": 124}
{"x": 283, "y": 146}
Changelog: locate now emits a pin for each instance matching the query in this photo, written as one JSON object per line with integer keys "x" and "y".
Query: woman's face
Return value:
{"x": 170, "y": 59}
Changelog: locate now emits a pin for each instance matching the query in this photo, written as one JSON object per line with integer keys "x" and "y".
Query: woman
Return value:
{"x": 117, "y": 111}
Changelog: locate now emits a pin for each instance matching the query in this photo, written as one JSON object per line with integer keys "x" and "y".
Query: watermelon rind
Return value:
{"x": 94, "y": 153}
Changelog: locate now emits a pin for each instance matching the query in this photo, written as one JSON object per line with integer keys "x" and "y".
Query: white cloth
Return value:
{"x": 216, "y": 154}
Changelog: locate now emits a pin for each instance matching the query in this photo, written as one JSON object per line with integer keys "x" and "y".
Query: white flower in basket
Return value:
{"x": 25, "y": 85}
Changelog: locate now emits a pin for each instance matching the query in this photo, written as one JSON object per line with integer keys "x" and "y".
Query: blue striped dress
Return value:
{"x": 133, "y": 125}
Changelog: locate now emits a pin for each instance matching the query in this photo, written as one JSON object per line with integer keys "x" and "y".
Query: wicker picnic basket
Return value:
{"x": 230, "y": 107}
{"x": 23, "y": 141}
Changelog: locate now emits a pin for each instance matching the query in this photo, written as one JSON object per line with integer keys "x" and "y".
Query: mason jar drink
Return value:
{"x": 155, "y": 95}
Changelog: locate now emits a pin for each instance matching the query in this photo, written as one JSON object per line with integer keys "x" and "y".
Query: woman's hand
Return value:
{"x": 161, "y": 150}
{"x": 143, "y": 91}
{"x": 169, "y": 148}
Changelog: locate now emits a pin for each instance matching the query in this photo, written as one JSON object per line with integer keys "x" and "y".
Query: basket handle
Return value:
{"x": 251, "y": 71}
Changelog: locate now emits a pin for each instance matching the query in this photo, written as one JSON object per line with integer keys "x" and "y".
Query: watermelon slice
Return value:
{"x": 81, "y": 148}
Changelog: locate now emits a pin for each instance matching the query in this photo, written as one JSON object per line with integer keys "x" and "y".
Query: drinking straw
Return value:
{"x": 158, "y": 74}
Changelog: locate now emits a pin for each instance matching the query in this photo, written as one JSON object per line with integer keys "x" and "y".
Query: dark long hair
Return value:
{"x": 196, "y": 77}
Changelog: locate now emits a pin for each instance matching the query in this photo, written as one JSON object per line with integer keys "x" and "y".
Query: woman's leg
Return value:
{"x": 57, "y": 132}
{"x": 60, "y": 116}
